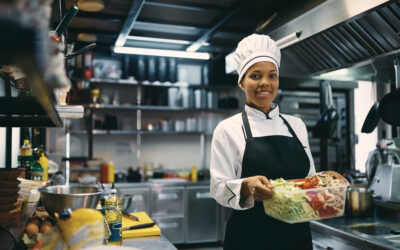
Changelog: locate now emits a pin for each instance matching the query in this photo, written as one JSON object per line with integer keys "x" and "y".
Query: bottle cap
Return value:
{"x": 26, "y": 141}
{"x": 113, "y": 190}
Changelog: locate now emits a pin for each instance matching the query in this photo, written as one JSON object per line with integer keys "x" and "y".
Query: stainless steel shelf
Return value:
{"x": 152, "y": 108}
{"x": 133, "y": 82}
{"x": 135, "y": 132}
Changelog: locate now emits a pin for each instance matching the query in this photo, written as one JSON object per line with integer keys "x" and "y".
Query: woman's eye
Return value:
{"x": 255, "y": 76}
{"x": 273, "y": 76}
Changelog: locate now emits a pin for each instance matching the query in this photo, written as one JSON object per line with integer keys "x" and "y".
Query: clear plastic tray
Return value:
{"x": 307, "y": 204}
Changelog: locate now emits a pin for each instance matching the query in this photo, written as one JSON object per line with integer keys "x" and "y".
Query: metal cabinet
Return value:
{"x": 168, "y": 201}
{"x": 140, "y": 199}
{"x": 202, "y": 218}
{"x": 172, "y": 228}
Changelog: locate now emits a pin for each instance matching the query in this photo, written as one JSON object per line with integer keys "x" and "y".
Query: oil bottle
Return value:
{"x": 113, "y": 216}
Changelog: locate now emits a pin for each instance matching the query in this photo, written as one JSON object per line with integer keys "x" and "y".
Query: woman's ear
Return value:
{"x": 241, "y": 84}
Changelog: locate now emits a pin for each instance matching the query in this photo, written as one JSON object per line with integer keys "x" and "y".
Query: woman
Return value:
{"x": 256, "y": 145}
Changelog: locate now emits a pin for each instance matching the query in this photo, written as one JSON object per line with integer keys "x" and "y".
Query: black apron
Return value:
{"x": 273, "y": 157}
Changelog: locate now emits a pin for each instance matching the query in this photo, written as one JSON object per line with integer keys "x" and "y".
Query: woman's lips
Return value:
{"x": 263, "y": 94}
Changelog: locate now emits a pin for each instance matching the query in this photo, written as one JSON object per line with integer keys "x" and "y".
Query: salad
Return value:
{"x": 319, "y": 196}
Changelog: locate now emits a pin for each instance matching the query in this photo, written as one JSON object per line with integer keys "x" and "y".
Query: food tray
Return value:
{"x": 306, "y": 204}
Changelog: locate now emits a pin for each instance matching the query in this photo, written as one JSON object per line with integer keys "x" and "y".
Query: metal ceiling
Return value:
{"x": 367, "y": 42}
{"x": 222, "y": 23}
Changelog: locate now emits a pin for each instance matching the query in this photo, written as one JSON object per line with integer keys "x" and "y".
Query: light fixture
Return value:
{"x": 288, "y": 40}
{"x": 162, "y": 52}
{"x": 162, "y": 40}
{"x": 85, "y": 37}
{"x": 91, "y": 5}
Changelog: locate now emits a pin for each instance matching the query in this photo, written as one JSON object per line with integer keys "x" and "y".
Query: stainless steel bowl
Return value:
{"x": 359, "y": 202}
{"x": 57, "y": 198}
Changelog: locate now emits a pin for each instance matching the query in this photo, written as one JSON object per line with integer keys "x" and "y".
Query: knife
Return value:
{"x": 130, "y": 216}
{"x": 145, "y": 225}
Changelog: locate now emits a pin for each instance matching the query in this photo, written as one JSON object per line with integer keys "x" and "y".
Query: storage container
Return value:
{"x": 306, "y": 204}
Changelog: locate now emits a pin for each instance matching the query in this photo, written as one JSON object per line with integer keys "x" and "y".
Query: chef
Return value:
{"x": 254, "y": 146}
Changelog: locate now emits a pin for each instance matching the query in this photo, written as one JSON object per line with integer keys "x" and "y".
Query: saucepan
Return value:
{"x": 359, "y": 202}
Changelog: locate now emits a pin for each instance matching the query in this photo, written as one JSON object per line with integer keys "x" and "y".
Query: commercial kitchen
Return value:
{"x": 105, "y": 96}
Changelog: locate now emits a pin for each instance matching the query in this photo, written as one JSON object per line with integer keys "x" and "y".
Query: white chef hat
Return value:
{"x": 253, "y": 49}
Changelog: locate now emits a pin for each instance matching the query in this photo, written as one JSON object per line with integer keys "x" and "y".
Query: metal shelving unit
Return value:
{"x": 133, "y": 82}
{"x": 139, "y": 109}
{"x": 152, "y": 108}
{"x": 136, "y": 132}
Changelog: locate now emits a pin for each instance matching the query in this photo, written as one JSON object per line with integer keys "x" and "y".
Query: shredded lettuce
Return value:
{"x": 288, "y": 203}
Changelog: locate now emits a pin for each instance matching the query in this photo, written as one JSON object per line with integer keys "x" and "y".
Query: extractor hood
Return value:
{"x": 360, "y": 35}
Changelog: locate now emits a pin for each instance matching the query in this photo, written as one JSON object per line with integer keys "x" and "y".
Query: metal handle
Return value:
{"x": 168, "y": 225}
{"x": 396, "y": 73}
{"x": 164, "y": 196}
{"x": 62, "y": 26}
{"x": 78, "y": 52}
{"x": 203, "y": 195}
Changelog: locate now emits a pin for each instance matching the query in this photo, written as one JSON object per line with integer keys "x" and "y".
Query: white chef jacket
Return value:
{"x": 228, "y": 145}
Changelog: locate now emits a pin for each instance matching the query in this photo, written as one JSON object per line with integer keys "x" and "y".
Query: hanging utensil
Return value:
{"x": 327, "y": 122}
{"x": 389, "y": 105}
{"x": 62, "y": 26}
{"x": 372, "y": 119}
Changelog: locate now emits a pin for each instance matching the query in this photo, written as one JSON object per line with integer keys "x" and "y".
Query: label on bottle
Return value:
{"x": 115, "y": 230}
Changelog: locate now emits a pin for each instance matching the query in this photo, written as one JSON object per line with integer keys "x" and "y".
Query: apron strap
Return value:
{"x": 246, "y": 124}
{"x": 291, "y": 130}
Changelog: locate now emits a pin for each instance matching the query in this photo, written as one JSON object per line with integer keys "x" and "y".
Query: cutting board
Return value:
{"x": 144, "y": 218}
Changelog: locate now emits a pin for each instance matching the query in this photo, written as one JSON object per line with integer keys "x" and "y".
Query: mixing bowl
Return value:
{"x": 57, "y": 198}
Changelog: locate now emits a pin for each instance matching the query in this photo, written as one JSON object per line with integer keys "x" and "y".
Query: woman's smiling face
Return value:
{"x": 260, "y": 84}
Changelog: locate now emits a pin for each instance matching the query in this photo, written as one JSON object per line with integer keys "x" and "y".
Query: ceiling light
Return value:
{"x": 288, "y": 40}
{"x": 162, "y": 52}
{"x": 162, "y": 40}
{"x": 85, "y": 37}
{"x": 90, "y": 5}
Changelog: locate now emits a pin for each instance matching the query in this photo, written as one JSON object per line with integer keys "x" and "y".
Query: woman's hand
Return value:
{"x": 257, "y": 186}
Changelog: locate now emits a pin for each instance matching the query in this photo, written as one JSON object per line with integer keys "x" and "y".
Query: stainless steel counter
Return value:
{"x": 362, "y": 233}
{"x": 149, "y": 243}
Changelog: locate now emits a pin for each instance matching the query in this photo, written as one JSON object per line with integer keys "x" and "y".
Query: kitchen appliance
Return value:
{"x": 359, "y": 202}
{"x": 57, "y": 198}
{"x": 383, "y": 168}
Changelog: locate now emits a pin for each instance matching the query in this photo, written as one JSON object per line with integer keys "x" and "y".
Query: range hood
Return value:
{"x": 361, "y": 36}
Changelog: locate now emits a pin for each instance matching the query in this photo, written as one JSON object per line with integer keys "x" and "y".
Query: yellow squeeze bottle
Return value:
{"x": 44, "y": 162}
{"x": 111, "y": 170}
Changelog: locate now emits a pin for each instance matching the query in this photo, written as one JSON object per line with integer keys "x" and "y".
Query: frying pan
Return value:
{"x": 372, "y": 119}
{"x": 327, "y": 122}
{"x": 389, "y": 105}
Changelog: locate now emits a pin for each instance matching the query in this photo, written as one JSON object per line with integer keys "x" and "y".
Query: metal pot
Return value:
{"x": 57, "y": 198}
{"x": 359, "y": 202}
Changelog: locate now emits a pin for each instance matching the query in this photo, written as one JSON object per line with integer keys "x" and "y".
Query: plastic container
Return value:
{"x": 306, "y": 204}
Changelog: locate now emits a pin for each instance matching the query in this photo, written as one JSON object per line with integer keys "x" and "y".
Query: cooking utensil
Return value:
{"x": 389, "y": 105}
{"x": 327, "y": 122}
{"x": 57, "y": 198}
{"x": 359, "y": 202}
{"x": 80, "y": 51}
{"x": 145, "y": 225}
{"x": 372, "y": 119}
{"x": 62, "y": 26}
{"x": 130, "y": 216}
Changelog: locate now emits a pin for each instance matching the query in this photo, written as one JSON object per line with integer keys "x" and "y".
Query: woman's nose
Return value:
{"x": 265, "y": 81}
